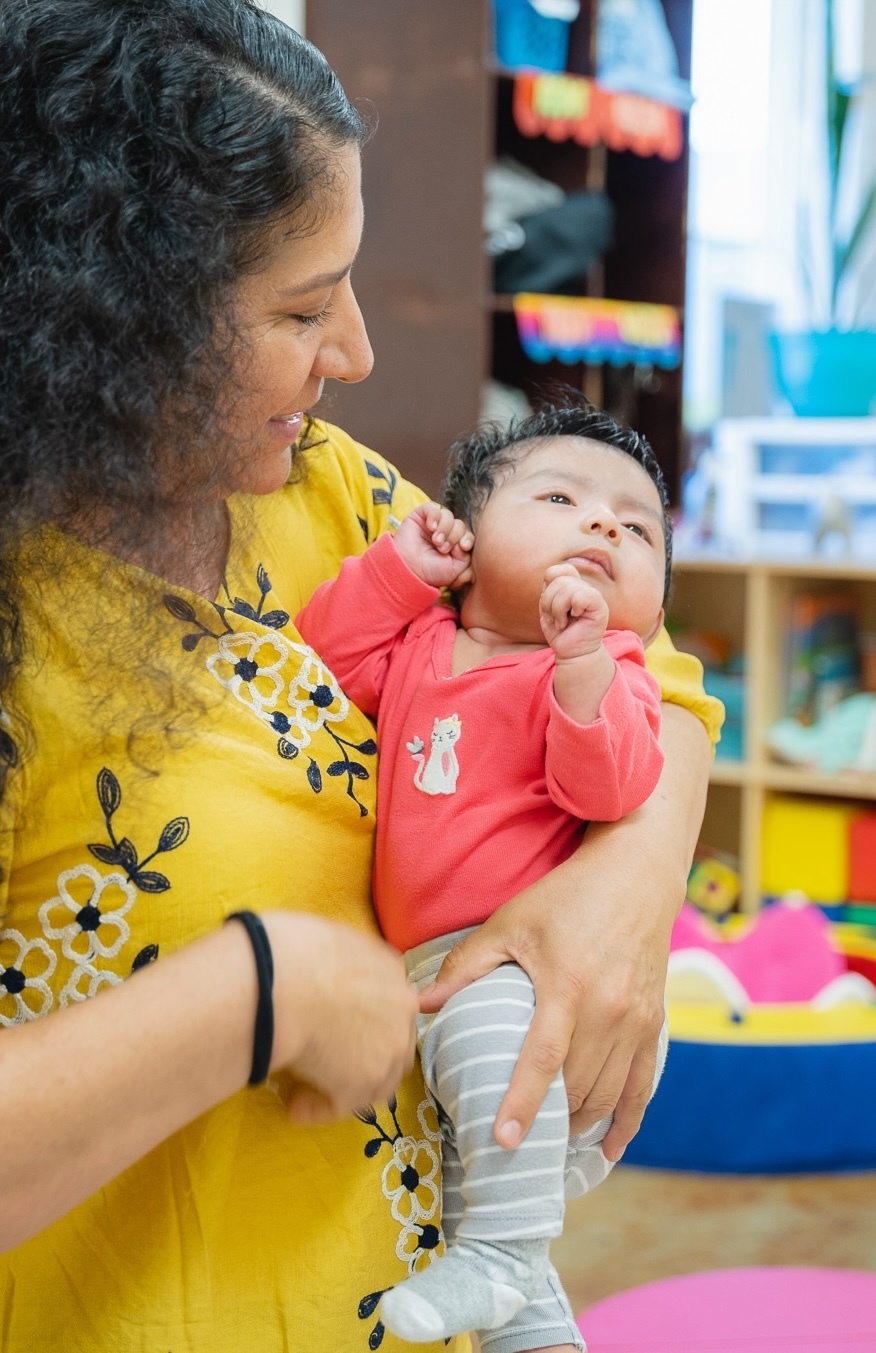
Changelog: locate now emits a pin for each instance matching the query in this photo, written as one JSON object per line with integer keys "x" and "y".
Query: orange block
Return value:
{"x": 862, "y": 858}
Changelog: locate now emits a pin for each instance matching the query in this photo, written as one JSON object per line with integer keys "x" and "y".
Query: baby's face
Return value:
{"x": 570, "y": 500}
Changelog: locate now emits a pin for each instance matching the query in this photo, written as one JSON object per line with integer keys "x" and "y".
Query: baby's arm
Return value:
{"x": 435, "y": 545}
{"x": 603, "y": 757}
{"x": 574, "y": 616}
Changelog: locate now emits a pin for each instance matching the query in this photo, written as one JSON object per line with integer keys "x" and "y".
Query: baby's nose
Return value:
{"x": 603, "y": 522}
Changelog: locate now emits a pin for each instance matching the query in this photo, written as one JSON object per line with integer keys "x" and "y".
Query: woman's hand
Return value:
{"x": 344, "y": 1015}
{"x": 594, "y": 937}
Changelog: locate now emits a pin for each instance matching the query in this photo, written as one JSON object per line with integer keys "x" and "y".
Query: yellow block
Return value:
{"x": 805, "y": 845}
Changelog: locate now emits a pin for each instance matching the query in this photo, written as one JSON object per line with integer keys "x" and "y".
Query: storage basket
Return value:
{"x": 525, "y": 38}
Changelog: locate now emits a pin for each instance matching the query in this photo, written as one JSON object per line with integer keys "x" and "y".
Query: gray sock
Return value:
{"x": 476, "y": 1285}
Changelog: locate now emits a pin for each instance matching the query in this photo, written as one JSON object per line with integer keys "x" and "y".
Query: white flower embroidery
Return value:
{"x": 411, "y": 1251}
{"x": 24, "y": 967}
{"x": 95, "y": 978}
{"x": 427, "y": 1117}
{"x": 251, "y": 666}
{"x": 89, "y": 909}
{"x": 410, "y": 1180}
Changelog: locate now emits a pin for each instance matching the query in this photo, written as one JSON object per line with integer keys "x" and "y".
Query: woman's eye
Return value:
{"x": 319, "y": 318}
{"x": 637, "y": 529}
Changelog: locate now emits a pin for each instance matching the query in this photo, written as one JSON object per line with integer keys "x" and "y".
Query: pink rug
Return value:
{"x": 745, "y": 1310}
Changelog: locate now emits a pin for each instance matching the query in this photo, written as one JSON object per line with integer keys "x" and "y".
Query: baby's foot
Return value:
{"x": 476, "y": 1285}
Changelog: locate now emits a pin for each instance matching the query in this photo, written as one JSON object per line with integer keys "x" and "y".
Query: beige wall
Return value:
{"x": 290, "y": 11}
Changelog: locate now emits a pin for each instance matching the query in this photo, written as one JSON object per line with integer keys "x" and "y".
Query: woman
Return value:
{"x": 180, "y": 217}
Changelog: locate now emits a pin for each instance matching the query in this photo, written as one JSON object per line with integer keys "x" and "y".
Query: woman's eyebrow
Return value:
{"x": 318, "y": 282}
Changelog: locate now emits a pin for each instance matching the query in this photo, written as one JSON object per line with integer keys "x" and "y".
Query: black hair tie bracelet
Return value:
{"x": 263, "y": 1037}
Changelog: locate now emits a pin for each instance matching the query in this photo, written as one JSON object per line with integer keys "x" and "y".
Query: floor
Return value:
{"x": 646, "y": 1224}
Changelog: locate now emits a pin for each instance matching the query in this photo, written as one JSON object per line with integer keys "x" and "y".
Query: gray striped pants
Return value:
{"x": 468, "y": 1051}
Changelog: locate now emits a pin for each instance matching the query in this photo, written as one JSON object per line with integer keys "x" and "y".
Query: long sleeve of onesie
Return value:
{"x": 356, "y": 620}
{"x": 620, "y": 746}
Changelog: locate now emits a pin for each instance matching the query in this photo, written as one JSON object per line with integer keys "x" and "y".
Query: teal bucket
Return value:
{"x": 828, "y": 374}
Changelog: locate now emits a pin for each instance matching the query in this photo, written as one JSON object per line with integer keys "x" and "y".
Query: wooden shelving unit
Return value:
{"x": 747, "y": 601}
{"x": 443, "y": 107}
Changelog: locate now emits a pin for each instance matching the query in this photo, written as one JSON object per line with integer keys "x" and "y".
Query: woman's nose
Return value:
{"x": 345, "y": 354}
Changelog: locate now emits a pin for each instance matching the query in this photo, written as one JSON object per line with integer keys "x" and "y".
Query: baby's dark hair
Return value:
{"x": 478, "y": 462}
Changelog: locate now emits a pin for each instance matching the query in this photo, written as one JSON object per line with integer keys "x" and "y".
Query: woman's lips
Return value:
{"x": 288, "y": 424}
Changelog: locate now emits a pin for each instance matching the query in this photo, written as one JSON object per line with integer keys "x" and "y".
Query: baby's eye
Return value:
{"x": 559, "y": 498}
{"x": 635, "y": 527}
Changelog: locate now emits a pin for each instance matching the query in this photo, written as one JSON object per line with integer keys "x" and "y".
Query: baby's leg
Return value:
{"x": 501, "y": 1207}
{"x": 543, "y": 1322}
{"x": 547, "y": 1319}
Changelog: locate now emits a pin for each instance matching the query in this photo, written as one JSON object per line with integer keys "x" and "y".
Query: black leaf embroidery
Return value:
{"x": 181, "y": 610}
{"x": 275, "y": 620}
{"x": 314, "y": 777}
{"x": 368, "y": 1305}
{"x": 106, "y": 854}
{"x": 381, "y": 496}
{"x": 375, "y": 1339}
{"x": 287, "y": 749}
{"x": 145, "y": 957}
{"x": 372, "y": 1147}
{"x": 127, "y": 855}
{"x": 262, "y": 580}
{"x": 122, "y": 852}
{"x": 109, "y": 791}
{"x": 150, "y": 881}
{"x": 176, "y": 831}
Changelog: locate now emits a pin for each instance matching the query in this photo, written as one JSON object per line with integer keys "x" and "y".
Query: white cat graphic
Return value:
{"x": 438, "y": 775}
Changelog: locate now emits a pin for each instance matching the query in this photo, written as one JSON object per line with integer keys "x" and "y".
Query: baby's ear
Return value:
{"x": 655, "y": 629}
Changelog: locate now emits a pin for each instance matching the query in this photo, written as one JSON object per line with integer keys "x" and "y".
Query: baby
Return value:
{"x": 504, "y": 725}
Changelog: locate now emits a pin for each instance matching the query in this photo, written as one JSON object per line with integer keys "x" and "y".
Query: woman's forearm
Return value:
{"x": 92, "y": 1088}
{"x": 662, "y": 833}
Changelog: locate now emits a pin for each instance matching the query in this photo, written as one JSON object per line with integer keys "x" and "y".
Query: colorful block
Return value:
{"x": 805, "y": 846}
{"x": 862, "y": 863}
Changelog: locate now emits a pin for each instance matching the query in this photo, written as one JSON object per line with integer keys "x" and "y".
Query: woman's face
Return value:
{"x": 300, "y": 325}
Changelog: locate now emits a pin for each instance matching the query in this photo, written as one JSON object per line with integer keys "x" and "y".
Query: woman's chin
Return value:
{"x": 266, "y": 475}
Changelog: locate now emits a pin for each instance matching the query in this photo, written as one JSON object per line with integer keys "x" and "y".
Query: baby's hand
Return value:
{"x": 435, "y": 545}
{"x": 573, "y": 613}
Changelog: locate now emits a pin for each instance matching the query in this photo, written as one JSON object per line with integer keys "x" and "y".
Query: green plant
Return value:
{"x": 844, "y": 239}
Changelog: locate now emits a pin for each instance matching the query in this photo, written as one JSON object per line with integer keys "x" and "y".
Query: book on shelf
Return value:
{"x": 821, "y": 653}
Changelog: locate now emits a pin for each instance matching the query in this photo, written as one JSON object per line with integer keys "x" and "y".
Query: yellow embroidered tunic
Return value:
{"x": 184, "y": 760}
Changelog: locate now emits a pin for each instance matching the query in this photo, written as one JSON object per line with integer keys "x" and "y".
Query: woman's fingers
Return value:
{"x": 345, "y": 1013}
{"x": 472, "y": 958}
{"x": 631, "y": 1104}
{"x": 543, "y": 1053}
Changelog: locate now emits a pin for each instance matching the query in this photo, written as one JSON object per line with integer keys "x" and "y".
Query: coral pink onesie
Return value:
{"x": 484, "y": 782}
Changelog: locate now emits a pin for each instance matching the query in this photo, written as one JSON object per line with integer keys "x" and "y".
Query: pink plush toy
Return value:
{"x": 786, "y": 955}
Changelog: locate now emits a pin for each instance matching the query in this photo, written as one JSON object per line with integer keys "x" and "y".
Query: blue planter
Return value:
{"x": 828, "y": 374}
{"x": 527, "y": 40}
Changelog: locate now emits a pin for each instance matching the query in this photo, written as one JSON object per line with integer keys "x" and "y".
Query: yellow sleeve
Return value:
{"x": 680, "y": 677}
{"x": 382, "y": 497}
